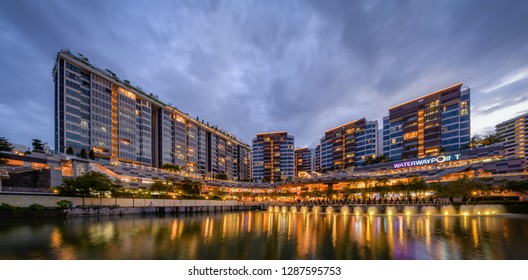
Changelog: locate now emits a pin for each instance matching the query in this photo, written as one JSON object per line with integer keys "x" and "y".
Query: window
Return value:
{"x": 410, "y": 135}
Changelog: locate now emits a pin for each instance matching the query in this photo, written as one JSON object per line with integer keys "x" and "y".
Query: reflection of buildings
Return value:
{"x": 273, "y": 156}
{"x": 428, "y": 125}
{"x": 95, "y": 110}
{"x": 514, "y": 134}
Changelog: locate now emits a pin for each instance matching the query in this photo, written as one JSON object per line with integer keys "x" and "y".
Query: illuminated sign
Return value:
{"x": 426, "y": 161}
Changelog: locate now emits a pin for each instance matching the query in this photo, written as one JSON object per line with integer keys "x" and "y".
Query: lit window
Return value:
{"x": 410, "y": 135}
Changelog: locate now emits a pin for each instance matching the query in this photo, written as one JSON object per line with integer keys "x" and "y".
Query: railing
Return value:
{"x": 25, "y": 190}
{"x": 18, "y": 169}
{"x": 3, "y": 173}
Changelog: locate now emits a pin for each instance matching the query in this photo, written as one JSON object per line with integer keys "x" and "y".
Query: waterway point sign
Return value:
{"x": 426, "y": 161}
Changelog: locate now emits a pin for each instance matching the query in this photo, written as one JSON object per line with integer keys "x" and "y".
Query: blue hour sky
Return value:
{"x": 254, "y": 66}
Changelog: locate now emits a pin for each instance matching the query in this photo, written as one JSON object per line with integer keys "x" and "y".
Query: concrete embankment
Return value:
{"x": 113, "y": 211}
{"x": 49, "y": 200}
{"x": 111, "y": 206}
{"x": 23, "y": 214}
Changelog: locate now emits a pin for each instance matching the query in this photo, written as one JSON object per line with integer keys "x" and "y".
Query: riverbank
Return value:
{"x": 32, "y": 214}
{"x": 92, "y": 210}
{"x": 119, "y": 211}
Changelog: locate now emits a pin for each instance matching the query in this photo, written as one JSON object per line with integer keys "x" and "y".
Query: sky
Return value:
{"x": 256, "y": 66}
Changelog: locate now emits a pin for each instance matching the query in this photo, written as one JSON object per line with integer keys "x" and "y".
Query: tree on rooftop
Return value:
{"x": 69, "y": 151}
{"x": 171, "y": 167}
{"x": 374, "y": 160}
{"x": 474, "y": 142}
{"x": 5, "y": 146}
{"x": 83, "y": 153}
{"x": 38, "y": 146}
{"x": 91, "y": 155}
{"x": 221, "y": 176}
{"x": 490, "y": 139}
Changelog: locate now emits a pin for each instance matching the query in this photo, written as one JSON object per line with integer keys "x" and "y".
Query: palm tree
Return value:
{"x": 490, "y": 139}
{"x": 475, "y": 141}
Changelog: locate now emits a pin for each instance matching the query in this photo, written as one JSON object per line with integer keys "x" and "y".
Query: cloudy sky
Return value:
{"x": 254, "y": 66}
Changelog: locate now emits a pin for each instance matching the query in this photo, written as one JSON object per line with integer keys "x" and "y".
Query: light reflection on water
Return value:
{"x": 268, "y": 235}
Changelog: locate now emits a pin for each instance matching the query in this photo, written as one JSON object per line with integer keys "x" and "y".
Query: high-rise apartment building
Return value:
{"x": 514, "y": 134}
{"x": 348, "y": 145}
{"x": 428, "y": 125}
{"x": 303, "y": 160}
{"x": 273, "y": 156}
{"x": 95, "y": 110}
{"x": 316, "y": 161}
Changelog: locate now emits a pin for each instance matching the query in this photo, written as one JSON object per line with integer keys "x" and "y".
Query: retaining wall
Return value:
{"x": 51, "y": 201}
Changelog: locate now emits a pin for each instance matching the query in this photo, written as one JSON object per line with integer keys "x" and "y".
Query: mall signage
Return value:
{"x": 426, "y": 161}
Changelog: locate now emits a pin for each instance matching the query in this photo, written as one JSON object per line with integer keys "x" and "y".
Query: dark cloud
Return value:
{"x": 251, "y": 66}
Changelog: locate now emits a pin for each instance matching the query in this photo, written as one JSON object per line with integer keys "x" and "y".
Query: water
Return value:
{"x": 270, "y": 235}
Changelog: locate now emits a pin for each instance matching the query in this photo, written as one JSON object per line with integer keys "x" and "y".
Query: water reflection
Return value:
{"x": 270, "y": 235}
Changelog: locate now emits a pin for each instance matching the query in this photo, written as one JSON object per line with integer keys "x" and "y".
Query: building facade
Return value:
{"x": 348, "y": 145}
{"x": 513, "y": 132}
{"x": 428, "y": 125}
{"x": 303, "y": 160}
{"x": 95, "y": 110}
{"x": 317, "y": 159}
{"x": 273, "y": 157}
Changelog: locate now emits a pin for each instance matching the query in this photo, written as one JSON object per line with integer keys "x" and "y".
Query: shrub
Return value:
{"x": 7, "y": 207}
{"x": 36, "y": 207}
{"x": 64, "y": 204}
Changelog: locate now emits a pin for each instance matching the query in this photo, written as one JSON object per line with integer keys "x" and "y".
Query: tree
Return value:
{"x": 83, "y": 153}
{"x": 116, "y": 188}
{"x": 86, "y": 185}
{"x": 160, "y": 187}
{"x": 218, "y": 193}
{"x": 189, "y": 187}
{"x": 348, "y": 191}
{"x": 221, "y": 176}
{"x": 38, "y": 146}
{"x": 91, "y": 155}
{"x": 474, "y": 142}
{"x": 518, "y": 186}
{"x": 463, "y": 187}
{"x": 69, "y": 151}
{"x": 490, "y": 139}
{"x": 374, "y": 160}
{"x": 171, "y": 167}
{"x": 5, "y": 146}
